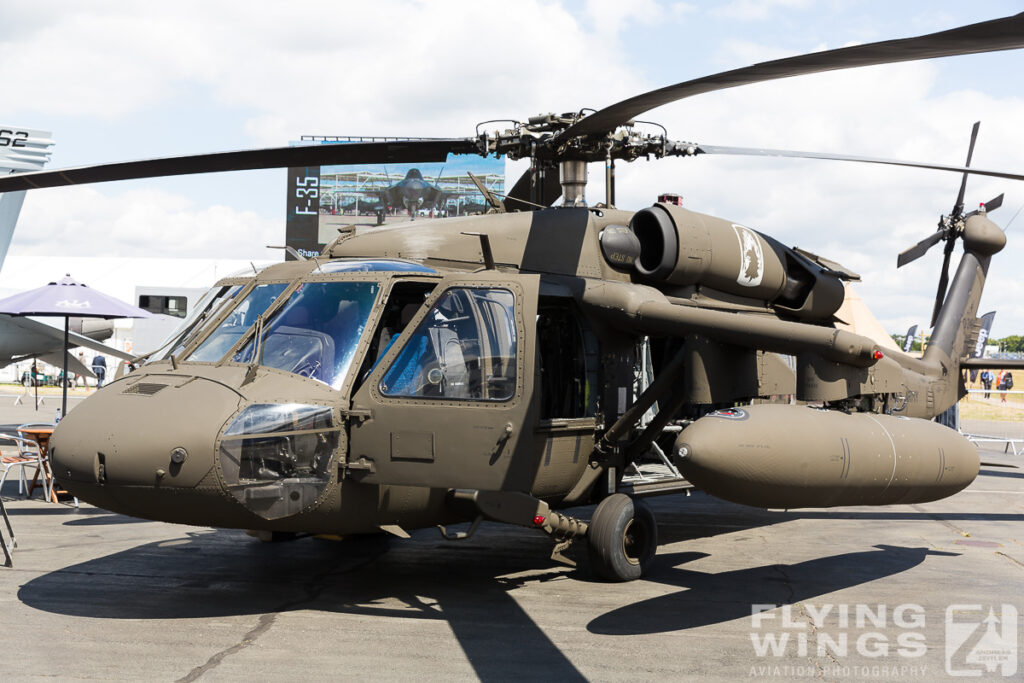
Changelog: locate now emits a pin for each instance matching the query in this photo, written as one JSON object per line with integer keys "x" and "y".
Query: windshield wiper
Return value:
{"x": 257, "y": 351}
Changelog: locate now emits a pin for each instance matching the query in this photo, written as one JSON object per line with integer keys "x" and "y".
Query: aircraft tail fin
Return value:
{"x": 956, "y": 328}
{"x": 21, "y": 149}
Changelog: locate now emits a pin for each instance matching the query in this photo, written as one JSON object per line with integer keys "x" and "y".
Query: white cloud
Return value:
{"x": 419, "y": 68}
{"x": 146, "y": 223}
{"x": 610, "y": 17}
{"x": 756, "y": 10}
{"x": 357, "y": 69}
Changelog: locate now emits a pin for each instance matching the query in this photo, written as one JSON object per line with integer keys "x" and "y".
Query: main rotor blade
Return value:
{"x": 958, "y": 208}
{"x": 988, "y": 36}
{"x": 756, "y": 151}
{"x": 406, "y": 151}
{"x": 918, "y": 250}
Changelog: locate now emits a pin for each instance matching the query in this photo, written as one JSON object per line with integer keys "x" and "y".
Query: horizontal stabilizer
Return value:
{"x": 993, "y": 363}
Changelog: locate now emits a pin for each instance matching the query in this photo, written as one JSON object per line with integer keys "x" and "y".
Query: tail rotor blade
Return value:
{"x": 990, "y": 205}
{"x": 993, "y": 204}
{"x": 918, "y": 250}
{"x": 958, "y": 208}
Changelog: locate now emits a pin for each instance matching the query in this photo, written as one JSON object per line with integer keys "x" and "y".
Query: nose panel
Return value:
{"x": 158, "y": 431}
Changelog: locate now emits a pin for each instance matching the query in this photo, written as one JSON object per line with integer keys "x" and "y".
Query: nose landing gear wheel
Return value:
{"x": 622, "y": 538}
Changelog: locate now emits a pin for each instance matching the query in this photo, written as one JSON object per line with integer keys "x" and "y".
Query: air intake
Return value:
{"x": 144, "y": 388}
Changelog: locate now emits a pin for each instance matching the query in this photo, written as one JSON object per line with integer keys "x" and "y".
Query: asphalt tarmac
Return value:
{"x": 855, "y": 593}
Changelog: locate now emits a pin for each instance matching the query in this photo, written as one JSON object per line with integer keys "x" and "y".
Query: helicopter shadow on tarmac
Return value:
{"x": 1001, "y": 473}
{"x": 218, "y": 573}
{"x": 714, "y": 598}
{"x": 471, "y": 586}
{"x": 84, "y": 516}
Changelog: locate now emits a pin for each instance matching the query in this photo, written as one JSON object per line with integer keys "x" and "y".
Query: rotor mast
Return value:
{"x": 573, "y": 177}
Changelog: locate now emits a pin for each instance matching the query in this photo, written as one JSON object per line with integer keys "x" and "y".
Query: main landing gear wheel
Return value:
{"x": 622, "y": 538}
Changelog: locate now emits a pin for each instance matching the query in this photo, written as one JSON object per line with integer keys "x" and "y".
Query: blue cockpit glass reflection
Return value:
{"x": 238, "y": 321}
{"x": 464, "y": 349}
{"x": 316, "y": 332}
{"x": 378, "y": 265}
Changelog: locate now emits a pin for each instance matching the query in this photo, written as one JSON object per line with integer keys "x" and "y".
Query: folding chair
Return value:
{"x": 27, "y": 455}
{"x": 8, "y": 546}
{"x": 35, "y": 444}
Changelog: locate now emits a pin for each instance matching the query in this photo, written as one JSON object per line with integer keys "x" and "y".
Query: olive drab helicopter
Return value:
{"x": 512, "y": 366}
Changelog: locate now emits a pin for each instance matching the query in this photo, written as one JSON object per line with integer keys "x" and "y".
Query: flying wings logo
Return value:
{"x": 981, "y": 642}
{"x": 751, "y": 257}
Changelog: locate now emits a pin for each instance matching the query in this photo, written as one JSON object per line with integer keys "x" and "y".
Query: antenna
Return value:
{"x": 290, "y": 249}
{"x": 485, "y": 247}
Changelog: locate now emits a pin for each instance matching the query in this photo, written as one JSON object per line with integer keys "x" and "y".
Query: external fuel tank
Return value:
{"x": 786, "y": 456}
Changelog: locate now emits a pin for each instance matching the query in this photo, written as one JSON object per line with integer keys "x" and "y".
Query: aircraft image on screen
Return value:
{"x": 361, "y": 206}
{"x": 446, "y": 190}
{"x": 413, "y": 193}
{"x": 514, "y": 366}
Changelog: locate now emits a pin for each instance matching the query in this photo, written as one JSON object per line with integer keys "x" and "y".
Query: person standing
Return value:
{"x": 99, "y": 368}
{"x": 986, "y": 381}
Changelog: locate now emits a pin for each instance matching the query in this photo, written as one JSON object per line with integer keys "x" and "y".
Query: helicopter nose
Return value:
{"x": 129, "y": 438}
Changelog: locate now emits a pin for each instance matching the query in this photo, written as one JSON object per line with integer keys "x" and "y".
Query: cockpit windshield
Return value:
{"x": 315, "y": 333}
{"x": 238, "y": 321}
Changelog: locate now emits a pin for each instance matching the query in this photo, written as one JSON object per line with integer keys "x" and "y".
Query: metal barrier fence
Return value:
{"x": 993, "y": 417}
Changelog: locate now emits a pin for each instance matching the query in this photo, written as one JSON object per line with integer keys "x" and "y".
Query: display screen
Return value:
{"x": 325, "y": 201}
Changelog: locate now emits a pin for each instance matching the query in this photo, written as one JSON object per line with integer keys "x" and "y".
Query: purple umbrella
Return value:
{"x": 69, "y": 299}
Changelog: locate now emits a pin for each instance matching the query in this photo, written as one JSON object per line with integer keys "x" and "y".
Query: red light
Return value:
{"x": 878, "y": 355}
{"x": 538, "y": 520}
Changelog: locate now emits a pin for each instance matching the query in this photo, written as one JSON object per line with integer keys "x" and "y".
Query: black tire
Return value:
{"x": 622, "y": 538}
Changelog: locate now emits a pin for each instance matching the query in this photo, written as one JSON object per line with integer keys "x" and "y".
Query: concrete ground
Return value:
{"x": 899, "y": 592}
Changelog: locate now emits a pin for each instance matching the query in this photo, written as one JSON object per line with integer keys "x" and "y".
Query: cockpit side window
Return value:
{"x": 464, "y": 349}
{"x": 404, "y": 300}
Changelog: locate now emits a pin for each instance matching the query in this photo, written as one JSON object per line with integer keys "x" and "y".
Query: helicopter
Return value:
{"x": 512, "y": 366}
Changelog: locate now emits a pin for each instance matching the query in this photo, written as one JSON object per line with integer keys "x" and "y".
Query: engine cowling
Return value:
{"x": 681, "y": 247}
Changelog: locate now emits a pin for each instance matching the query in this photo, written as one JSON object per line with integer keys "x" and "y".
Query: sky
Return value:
{"x": 117, "y": 81}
